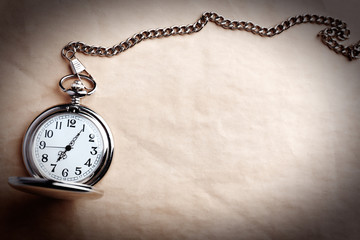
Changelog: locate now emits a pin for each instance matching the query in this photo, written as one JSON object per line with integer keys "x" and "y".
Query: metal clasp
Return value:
{"x": 76, "y": 66}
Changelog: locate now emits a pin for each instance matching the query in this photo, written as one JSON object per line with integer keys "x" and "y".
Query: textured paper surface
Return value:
{"x": 218, "y": 135}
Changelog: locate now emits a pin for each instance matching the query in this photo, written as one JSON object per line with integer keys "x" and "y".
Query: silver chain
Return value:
{"x": 336, "y": 31}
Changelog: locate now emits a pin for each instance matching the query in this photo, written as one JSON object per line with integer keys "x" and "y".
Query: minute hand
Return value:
{"x": 75, "y": 138}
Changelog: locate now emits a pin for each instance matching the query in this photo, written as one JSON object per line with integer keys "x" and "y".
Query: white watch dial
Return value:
{"x": 67, "y": 147}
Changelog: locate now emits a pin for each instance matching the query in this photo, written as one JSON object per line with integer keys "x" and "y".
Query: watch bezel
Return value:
{"x": 105, "y": 133}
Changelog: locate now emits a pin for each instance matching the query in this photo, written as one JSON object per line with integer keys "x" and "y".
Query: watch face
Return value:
{"x": 68, "y": 146}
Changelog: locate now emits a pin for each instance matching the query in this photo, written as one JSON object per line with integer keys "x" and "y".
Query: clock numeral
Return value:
{"x": 93, "y": 151}
{"x": 83, "y": 129}
{"x": 45, "y": 157}
{"x": 65, "y": 172}
{"x": 49, "y": 133}
{"x": 91, "y": 138}
{"x": 58, "y": 125}
{"x": 42, "y": 145}
{"x": 77, "y": 170}
{"x": 53, "y": 165}
{"x": 71, "y": 123}
{"x": 88, "y": 162}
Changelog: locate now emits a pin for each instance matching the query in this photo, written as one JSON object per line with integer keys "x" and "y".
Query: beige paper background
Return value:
{"x": 219, "y": 135}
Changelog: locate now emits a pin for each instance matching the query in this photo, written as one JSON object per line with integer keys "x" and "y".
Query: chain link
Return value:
{"x": 336, "y": 31}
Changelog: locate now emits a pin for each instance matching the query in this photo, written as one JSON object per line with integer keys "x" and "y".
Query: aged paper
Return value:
{"x": 218, "y": 135}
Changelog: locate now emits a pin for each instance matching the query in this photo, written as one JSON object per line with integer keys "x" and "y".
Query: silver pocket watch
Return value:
{"x": 67, "y": 148}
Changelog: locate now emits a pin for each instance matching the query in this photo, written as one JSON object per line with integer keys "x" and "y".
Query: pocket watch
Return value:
{"x": 68, "y": 148}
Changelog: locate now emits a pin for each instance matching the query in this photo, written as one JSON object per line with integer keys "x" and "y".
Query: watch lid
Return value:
{"x": 55, "y": 189}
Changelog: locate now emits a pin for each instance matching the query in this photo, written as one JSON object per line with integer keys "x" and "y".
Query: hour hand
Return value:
{"x": 62, "y": 154}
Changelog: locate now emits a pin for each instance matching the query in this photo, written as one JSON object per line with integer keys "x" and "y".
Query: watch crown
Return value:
{"x": 77, "y": 89}
{"x": 77, "y": 85}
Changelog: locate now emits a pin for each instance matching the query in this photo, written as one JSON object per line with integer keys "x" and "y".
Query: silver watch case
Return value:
{"x": 38, "y": 184}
